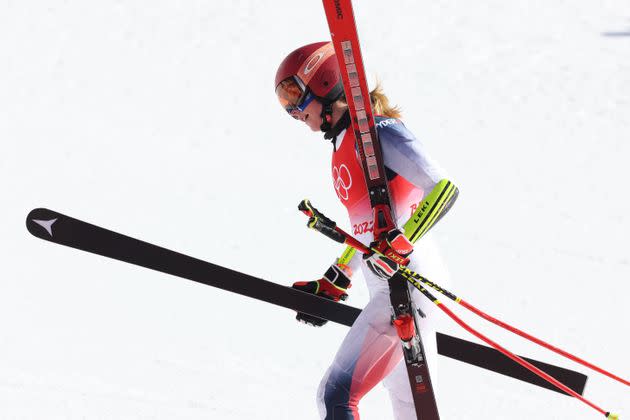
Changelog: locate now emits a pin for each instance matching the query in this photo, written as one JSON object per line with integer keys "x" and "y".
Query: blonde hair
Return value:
{"x": 380, "y": 102}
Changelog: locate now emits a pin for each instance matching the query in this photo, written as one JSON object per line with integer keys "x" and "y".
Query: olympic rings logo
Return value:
{"x": 342, "y": 181}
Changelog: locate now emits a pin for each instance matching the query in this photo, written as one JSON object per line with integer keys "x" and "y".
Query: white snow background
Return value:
{"x": 158, "y": 120}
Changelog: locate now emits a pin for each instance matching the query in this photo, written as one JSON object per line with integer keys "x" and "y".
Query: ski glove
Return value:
{"x": 390, "y": 254}
{"x": 333, "y": 285}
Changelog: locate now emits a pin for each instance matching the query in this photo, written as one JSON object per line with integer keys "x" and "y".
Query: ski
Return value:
{"x": 345, "y": 40}
{"x": 64, "y": 230}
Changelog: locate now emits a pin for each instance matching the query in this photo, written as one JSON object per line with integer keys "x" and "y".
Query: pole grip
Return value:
{"x": 329, "y": 231}
{"x": 320, "y": 223}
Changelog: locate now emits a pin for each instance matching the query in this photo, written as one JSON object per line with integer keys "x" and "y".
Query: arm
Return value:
{"x": 431, "y": 209}
{"x": 406, "y": 156}
{"x": 333, "y": 285}
{"x": 347, "y": 260}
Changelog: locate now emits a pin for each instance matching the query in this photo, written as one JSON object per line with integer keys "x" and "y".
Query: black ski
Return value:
{"x": 64, "y": 230}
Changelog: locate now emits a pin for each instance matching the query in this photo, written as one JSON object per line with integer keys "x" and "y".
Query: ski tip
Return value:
{"x": 612, "y": 416}
{"x": 40, "y": 221}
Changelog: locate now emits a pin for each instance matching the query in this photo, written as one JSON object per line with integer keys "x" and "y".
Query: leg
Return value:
{"x": 369, "y": 352}
{"x": 372, "y": 349}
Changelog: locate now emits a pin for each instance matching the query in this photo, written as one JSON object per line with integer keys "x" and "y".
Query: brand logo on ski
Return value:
{"x": 342, "y": 181}
{"x": 338, "y": 9}
{"x": 46, "y": 224}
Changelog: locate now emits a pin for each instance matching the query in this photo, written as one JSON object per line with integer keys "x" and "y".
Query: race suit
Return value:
{"x": 371, "y": 352}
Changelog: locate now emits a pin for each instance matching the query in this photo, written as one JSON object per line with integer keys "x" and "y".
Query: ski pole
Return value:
{"x": 329, "y": 228}
{"x": 505, "y": 351}
{"x": 410, "y": 274}
{"x": 349, "y": 240}
{"x": 319, "y": 222}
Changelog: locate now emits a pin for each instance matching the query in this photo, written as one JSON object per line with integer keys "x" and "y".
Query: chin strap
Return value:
{"x": 326, "y": 117}
{"x": 333, "y": 132}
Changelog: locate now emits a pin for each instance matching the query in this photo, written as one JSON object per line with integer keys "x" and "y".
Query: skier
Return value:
{"x": 309, "y": 86}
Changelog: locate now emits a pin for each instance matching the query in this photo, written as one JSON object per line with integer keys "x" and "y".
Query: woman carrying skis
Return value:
{"x": 309, "y": 86}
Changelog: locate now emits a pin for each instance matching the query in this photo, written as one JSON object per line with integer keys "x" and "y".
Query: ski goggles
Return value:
{"x": 293, "y": 95}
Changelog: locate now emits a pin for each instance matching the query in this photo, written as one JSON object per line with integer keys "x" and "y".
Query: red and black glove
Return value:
{"x": 332, "y": 286}
{"x": 393, "y": 251}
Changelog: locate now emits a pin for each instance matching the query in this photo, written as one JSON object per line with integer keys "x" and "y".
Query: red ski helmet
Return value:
{"x": 312, "y": 68}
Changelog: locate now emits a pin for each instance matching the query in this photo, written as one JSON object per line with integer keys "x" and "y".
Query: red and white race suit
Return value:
{"x": 371, "y": 351}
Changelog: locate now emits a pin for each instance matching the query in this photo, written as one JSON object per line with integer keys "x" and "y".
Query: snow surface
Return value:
{"x": 158, "y": 119}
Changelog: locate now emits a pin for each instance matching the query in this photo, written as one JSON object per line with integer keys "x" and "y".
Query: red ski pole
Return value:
{"x": 321, "y": 223}
{"x": 508, "y": 353}
{"x": 351, "y": 241}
